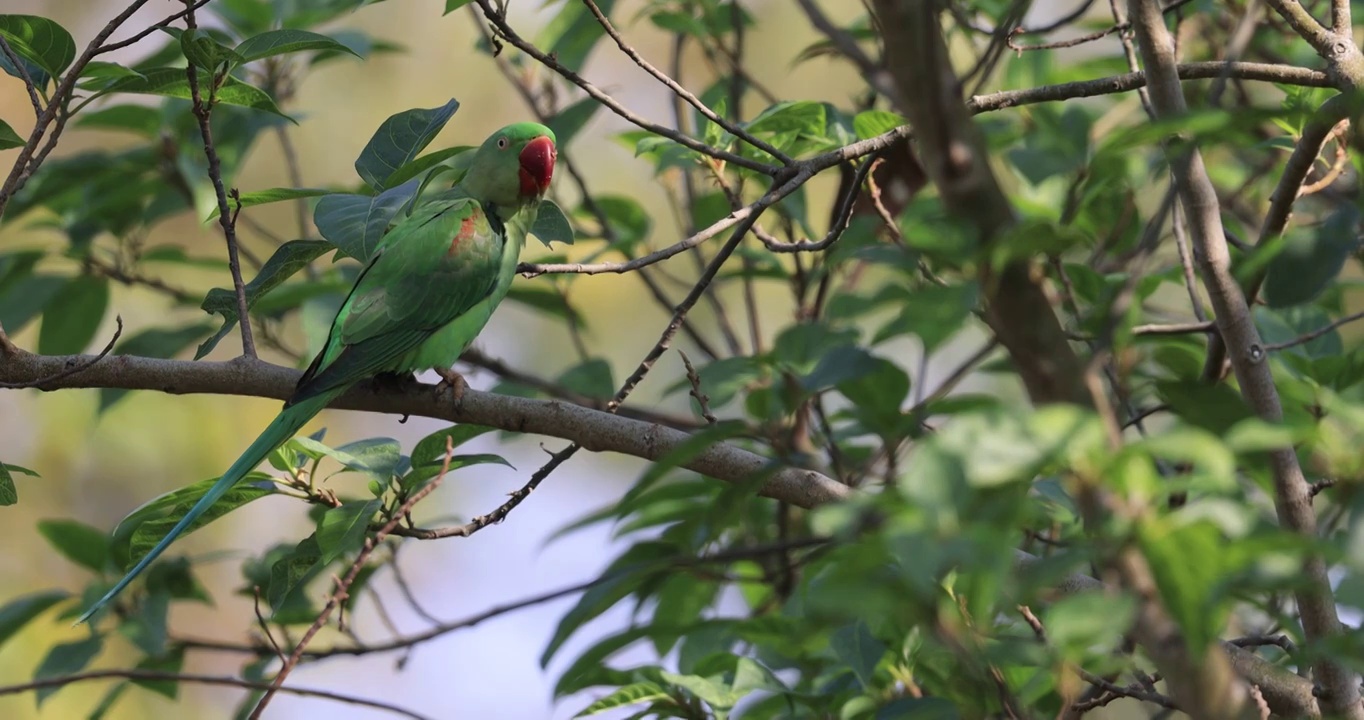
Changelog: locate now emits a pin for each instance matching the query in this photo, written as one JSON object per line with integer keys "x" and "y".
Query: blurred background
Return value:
{"x": 96, "y": 468}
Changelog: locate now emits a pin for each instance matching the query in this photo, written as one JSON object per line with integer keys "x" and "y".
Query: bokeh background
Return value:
{"x": 96, "y": 468}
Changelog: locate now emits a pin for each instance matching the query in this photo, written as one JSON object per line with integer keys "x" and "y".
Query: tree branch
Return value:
{"x": 594, "y": 430}
{"x": 1197, "y": 194}
{"x": 153, "y": 675}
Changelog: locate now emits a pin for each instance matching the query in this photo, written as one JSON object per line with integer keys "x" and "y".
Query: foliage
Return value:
{"x": 932, "y": 591}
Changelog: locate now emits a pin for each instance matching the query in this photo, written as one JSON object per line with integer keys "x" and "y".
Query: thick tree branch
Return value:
{"x": 594, "y": 430}
{"x": 1292, "y": 501}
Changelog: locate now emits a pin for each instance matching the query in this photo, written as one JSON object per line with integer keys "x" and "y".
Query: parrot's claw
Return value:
{"x": 455, "y": 382}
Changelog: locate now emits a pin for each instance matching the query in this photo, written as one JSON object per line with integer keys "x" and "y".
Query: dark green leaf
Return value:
{"x": 424, "y": 163}
{"x": 857, "y": 648}
{"x": 724, "y": 379}
{"x": 545, "y": 300}
{"x": 571, "y": 120}
{"x": 66, "y": 659}
{"x": 172, "y": 82}
{"x": 273, "y": 195}
{"x": 453, "y": 5}
{"x": 9, "y": 494}
{"x": 584, "y": 670}
{"x": 343, "y": 528}
{"x": 170, "y": 663}
{"x": 23, "y": 609}
{"x": 356, "y": 223}
{"x": 73, "y": 315}
{"x": 423, "y": 474}
{"x": 379, "y": 456}
{"x": 629, "y": 220}
{"x": 551, "y": 225}
{"x": 933, "y": 313}
{"x": 573, "y": 32}
{"x": 202, "y": 51}
{"x": 1184, "y": 560}
{"x": 288, "y": 259}
{"x": 289, "y": 575}
{"x": 45, "y": 47}
{"x": 78, "y": 542}
{"x": 591, "y": 378}
{"x": 9, "y": 138}
{"x": 431, "y": 449}
{"x": 1215, "y": 408}
{"x": 146, "y": 626}
{"x": 621, "y": 579}
{"x": 280, "y": 42}
{"x": 140, "y": 119}
{"x": 1307, "y": 264}
{"x": 400, "y": 139}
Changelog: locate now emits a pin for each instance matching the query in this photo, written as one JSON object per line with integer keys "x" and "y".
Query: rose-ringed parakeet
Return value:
{"x": 430, "y": 288}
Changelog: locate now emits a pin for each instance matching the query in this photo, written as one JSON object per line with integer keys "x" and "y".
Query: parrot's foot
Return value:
{"x": 453, "y": 380}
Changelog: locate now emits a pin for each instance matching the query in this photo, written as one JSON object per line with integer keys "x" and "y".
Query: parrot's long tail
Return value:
{"x": 283, "y": 427}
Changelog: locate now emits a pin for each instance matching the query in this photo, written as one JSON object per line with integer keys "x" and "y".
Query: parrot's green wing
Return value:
{"x": 429, "y": 270}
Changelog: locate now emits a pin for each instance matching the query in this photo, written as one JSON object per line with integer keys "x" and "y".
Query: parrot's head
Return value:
{"x": 514, "y": 165}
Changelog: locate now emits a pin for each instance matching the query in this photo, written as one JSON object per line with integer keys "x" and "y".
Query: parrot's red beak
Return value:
{"x": 537, "y": 165}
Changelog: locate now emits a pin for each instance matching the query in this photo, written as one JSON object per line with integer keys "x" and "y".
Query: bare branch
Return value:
{"x": 23, "y": 75}
{"x": 75, "y": 368}
{"x": 499, "y": 22}
{"x": 153, "y": 675}
{"x": 680, "y": 91}
{"x": 202, "y": 109}
{"x": 1267, "y": 72}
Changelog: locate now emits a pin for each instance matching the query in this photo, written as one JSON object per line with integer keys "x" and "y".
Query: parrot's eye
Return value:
{"x": 502, "y": 143}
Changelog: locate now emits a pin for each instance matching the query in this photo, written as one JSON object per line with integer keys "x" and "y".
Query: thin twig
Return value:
{"x": 339, "y": 595}
{"x": 157, "y": 676}
{"x": 1313, "y": 335}
{"x": 702, "y": 399}
{"x": 680, "y": 91}
{"x": 76, "y": 368}
{"x": 202, "y": 110}
{"x": 499, "y": 22}
{"x": 22, "y": 69}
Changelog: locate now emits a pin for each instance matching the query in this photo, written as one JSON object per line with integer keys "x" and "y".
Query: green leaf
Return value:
{"x": 288, "y": 259}
{"x": 172, "y": 82}
{"x": 66, "y": 659}
{"x": 1185, "y": 562}
{"x": 202, "y": 51}
{"x": 354, "y": 224}
{"x": 171, "y": 663}
{"x": 632, "y": 694}
{"x": 551, "y": 225}
{"x": 156, "y": 343}
{"x": 78, "y": 542}
{"x": 289, "y": 575}
{"x": 453, "y": 5}
{"x": 724, "y": 379}
{"x": 343, "y": 528}
{"x": 379, "y": 456}
{"x": 1081, "y": 625}
{"x": 281, "y": 42}
{"x": 619, "y": 580}
{"x": 933, "y": 313}
{"x": 1307, "y": 264}
{"x": 1215, "y": 408}
{"x": 569, "y": 121}
{"x": 423, "y": 474}
{"x": 870, "y": 123}
{"x": 424, "y": 163}
{"x": 573, "y": 32}
{"x": 591, "y": 378}
{"x": 789, "y": 122}
{"x": 399, "y": 139}
{"x": 137, "y": 533}
{"x": 140, "y": 119}
{"x": 430, "y": 450}
{"x": 545, "y": 300}
{"x": 73, "y": 315}
{"x": 273, "y": 195}
{"x": 9, "y": 138}
{"x": 629, "y": 220}
{"x": 856, "y": 647}
{"x": 45, "y": 47}
{"x": 9, "y": 494}
{"x": 23, "y": 609}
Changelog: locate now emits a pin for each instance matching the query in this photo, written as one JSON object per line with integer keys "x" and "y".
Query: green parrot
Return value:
{"x": 430, "y": 288}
